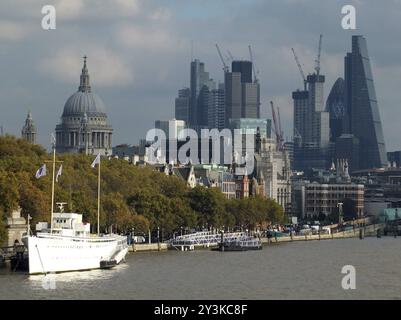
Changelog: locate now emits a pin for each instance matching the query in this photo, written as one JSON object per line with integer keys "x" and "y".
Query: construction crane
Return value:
{"x": 255, "y": 73}
{"x": 279, "y": 124}
{"x": 225, "y": 68}
{"x": 277, "y": 129}
{"x": 230, "y": 55}
{"x": 317, "y": 61}
{"x": 300, "y": 68}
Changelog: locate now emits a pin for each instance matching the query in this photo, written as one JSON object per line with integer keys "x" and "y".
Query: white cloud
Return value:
{"x": 161, "y": 14}
{"x": 69, "y": 9}
{"x": 128, "y": 7}
{"x": 10, "y": 31}
{"x": 133, "y": 36}
{"x": 105, "y": 67}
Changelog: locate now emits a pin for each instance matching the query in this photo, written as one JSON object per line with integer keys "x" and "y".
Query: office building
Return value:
{"x": 335, "y": 106}
{"x": 200, "y": 85}
{"x": 245, "y": 68}
{"x": 182, "y": 104}
{"x": 216, "y": 108}
{"x": 362, "y": 106}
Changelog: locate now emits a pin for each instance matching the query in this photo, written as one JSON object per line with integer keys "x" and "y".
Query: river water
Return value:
{"x": 298, "y": 270}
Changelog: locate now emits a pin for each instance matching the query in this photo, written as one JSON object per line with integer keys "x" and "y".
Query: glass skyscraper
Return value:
{"x": 362, "y": 107}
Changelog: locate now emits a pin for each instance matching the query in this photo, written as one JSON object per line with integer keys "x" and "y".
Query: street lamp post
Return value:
{"x": 158, "y": 230}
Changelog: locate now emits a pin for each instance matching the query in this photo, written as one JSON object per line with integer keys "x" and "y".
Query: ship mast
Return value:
{"x": 54, "y": 169}
{"x": 98, "y": 199}
{"x": 53, "y": 140}
{"x": 93, "y": 165}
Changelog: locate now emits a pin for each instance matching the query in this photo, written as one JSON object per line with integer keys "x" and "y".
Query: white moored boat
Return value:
{"x": 71, "y": 247}
{"x": 68, "y": 245}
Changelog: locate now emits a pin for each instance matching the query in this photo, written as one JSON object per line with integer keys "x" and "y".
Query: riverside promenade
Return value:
{"x": 209, "y": 240}
{"x": 366, "y": 231}
{"x": 142, "y": 247}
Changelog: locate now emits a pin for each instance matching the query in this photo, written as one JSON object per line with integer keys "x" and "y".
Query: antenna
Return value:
{"x": 192, "y": 50}
{"x": 300, "y": 68}
{"x": 317, "y": 61}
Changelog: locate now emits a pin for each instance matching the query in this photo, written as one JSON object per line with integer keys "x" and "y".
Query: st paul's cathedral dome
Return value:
{"x": 84, "y": 126}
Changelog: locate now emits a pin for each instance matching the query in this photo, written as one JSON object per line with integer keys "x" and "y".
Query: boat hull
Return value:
{"x": 62, "y": 254}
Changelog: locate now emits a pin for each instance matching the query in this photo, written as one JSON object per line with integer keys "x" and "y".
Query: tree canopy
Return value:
{"x": 131, "y": 196}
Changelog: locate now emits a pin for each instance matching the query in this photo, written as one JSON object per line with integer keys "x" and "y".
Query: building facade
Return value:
{"x": 200, "y": 85}
{"x": 28, "y": 131}
{"x": 325, "y": 198}
{"x": 84, "y": 126}
{"x": 335, "y": 106}
{"x": 362, "y": 106}
{"x": 216, "y": 108}
{"x": 182, "y": 104}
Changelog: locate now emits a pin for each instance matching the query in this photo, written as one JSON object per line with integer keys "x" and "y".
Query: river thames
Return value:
{"x": 298, "y": 270}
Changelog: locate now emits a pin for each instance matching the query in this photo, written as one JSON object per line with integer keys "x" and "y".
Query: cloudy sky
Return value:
{"x": 139, "y": 53}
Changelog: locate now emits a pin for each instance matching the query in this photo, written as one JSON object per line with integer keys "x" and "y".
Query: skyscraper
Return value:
{"x": 301, "y": 115}
{"x": 250, "y": 102}
{"x": 311, "y": 125}
{"x": 216, "y": 109}
{"x": 320, "y": 118}
{"x": 182, "y": 104}
{"x": 29, "y": 129}
{"x": 233, "y": 96}
{"x": 335, "y": 106}
{"x": 242, "y": 93}
{"x": 362, "y": 107}
{"x": 245, "y": 68}
{"x": 199, "y": 99}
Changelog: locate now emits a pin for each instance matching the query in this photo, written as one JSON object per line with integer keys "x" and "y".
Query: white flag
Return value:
{"x": 60, "y": 170}
{"x": 41, "y": 172}
{"x": 96, "y": 161}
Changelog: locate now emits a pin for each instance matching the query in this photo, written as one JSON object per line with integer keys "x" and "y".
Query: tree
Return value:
{"x": 131, "y": 196}
{"x": 209, "y": 204}
{"x": 9, "y": 194}
{"x": 3, "y": 232}
{"x": 116, "y": 213}
{"x": 140, "y": 224}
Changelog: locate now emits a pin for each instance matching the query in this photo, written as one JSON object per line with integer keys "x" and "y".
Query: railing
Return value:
{"x": 206, "y": 238}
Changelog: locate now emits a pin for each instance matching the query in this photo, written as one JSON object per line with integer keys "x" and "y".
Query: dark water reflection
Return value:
{"x": 301, "y": 270}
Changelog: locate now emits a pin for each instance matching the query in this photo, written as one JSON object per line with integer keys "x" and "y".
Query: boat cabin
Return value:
{"x": 66, "y": 224}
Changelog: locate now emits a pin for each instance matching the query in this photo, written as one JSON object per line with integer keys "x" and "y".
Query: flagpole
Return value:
{"x": 98, "y": 200}
{"x": 52, "y": 206}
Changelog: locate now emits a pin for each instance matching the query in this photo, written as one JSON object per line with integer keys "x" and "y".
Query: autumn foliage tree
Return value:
{"x": 131, "y": 196}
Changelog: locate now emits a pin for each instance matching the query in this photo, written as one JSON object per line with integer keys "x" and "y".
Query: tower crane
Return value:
{"x": 300, "y": 68}
{"x": 255, "y": 73}
{"x": 225, "y": 68}
{"x": 277, "y": 129}
{"x": 317, "y": 61}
